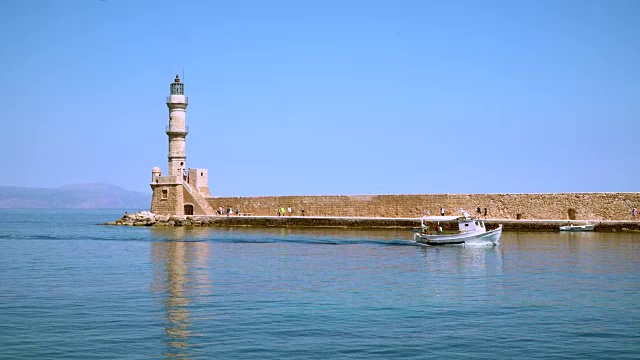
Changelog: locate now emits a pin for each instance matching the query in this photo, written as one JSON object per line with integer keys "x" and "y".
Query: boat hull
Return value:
{"x": 488, "y": 237}
{"x": 588, "y": 227}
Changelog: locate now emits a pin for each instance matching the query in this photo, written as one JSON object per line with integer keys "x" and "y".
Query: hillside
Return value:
{"x": 77, "y": 196}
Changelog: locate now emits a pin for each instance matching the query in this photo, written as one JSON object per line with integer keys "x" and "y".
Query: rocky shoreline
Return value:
{"x": 145, "y": 218}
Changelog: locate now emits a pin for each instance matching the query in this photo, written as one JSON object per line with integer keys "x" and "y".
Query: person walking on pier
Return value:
{"x": 634, "y": 212}
{"x": 441, "y": 211}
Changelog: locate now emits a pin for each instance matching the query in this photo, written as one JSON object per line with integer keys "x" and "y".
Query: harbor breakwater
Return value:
{"x": 145, "y": 218}
{"x": 561, "y": 206}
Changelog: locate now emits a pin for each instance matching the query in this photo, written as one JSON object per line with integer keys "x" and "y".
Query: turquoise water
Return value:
{"x": 71, "y": 289}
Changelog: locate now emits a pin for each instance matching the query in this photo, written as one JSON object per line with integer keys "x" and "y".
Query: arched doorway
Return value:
{"x": 188, "y": 209}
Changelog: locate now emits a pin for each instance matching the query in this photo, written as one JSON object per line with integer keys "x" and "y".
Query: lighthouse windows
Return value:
{"x": 177, "y": 89}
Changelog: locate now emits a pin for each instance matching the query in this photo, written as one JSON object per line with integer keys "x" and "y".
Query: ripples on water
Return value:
{"x": 72, "y": 289}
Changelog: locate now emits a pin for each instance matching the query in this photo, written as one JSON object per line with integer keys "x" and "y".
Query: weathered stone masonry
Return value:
{"x": 570, "y": 206}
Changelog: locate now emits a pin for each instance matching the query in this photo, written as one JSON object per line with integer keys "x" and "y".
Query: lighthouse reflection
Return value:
{"x": 181, "y": 277}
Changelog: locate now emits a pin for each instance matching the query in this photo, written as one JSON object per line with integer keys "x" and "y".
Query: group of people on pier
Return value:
{"x": 479, "y": 211}
{"x": 228, "y": 211}
{"x": 281, "y": 211}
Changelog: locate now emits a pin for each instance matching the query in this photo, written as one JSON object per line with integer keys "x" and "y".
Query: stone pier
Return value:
{"x": 148, "y": 219}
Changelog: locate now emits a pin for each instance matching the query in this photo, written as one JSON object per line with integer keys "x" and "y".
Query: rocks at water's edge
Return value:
{"x": 146, "y": 218}
{"x": 143, "y": 218}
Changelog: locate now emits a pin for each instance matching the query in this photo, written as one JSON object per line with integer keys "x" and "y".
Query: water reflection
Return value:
{"x": 283, "y": 235}
{"x": 341, "y": 234}
{"x": 181, "y": 276}
{"x": 570, "y": 241}
{"x": 471, "y": 273}
{"x": 477, "y": 260}
{"x": 583, "y": 250}
{"x": 181, "y": 233}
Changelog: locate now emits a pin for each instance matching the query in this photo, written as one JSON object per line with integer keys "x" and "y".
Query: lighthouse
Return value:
{"x": 183, "y": 191}
{"x": 177, "y": 129}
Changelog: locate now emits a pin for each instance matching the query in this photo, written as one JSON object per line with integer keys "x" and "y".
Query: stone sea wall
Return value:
{"x": 149, "y": 219}
{"x": 146, "y": 218}
{"x": 559, "y": 206}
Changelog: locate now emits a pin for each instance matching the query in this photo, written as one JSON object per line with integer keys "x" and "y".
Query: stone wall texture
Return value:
{"x": 172, "y": 205}
{"x": 189, "y": 199}
{"x": 559, "y": 206}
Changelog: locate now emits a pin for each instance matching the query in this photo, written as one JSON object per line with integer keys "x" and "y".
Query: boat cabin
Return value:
{"x": 470, "y": 225}
{"x": 465, "y": 223}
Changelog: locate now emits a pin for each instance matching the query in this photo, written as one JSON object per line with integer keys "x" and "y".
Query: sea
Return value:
{"x": 71, "y": 288}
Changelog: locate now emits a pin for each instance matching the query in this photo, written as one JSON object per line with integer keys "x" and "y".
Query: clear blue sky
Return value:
{"x": 326, "y": 97}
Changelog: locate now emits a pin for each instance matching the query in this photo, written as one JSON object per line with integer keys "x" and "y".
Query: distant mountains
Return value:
{"x": 77, "y": 196}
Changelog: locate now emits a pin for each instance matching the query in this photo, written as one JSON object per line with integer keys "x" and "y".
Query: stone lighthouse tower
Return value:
{"x": 177, "y": 129}
{"x": 183, "y": 191}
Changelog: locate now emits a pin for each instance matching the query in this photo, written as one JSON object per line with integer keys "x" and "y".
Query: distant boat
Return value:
{"x": 585, "y": 227}
{"x": 470, "y": 231}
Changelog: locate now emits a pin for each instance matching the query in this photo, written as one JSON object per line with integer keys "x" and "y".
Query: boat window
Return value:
{"x": 466, "y": 224}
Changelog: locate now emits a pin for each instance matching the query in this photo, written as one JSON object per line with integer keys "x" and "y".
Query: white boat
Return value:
{"x": 585, "y": 227}
{"x": 470, "y": 231}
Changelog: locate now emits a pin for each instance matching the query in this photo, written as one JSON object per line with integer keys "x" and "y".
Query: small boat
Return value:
{"x": 470, "y": 231}
{"x": 585, "y": 227}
